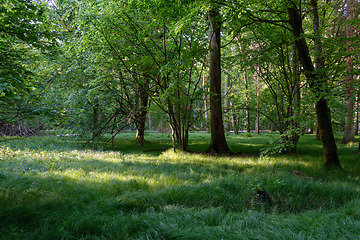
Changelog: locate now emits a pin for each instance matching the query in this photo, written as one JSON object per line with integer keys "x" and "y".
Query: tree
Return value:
{"x": 316, "y": 80}
{"x": 25, "y": 38}
{"x": 218, "y": 142}
{"x": 349, "y": 131}
{"x": 21, "y": 32}
{"x": 142, "y": 103}
{"x": 148, "y": 51}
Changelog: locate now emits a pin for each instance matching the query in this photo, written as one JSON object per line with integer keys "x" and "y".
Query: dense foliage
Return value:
{"x": 26, "y": 38}
{"x": 144, "y": 64}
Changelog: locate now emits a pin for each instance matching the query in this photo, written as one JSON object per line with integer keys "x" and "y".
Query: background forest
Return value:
{"x": 99, "y": 67}
{"x": 256, "y": 97}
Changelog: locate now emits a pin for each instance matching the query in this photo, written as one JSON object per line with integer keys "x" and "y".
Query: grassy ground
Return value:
{"x": 50, "y": 188}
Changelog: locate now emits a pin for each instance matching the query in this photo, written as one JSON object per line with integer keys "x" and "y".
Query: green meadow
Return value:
{"x": 55, "y": 188}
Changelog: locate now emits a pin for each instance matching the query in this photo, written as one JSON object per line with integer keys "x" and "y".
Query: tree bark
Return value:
{"x": 247, "y": 111}
{"x": 357, "y": 108}
{"x": 149, "y": 121}
{"x": 316, "y": 81}
{"x": 226, "y": 102}
{"x": 206, "y": 103}
{"x": 257, "y": 117}
{"x": 96, "y": 118}
{"x": 357, "y": 114}
{"x": 349, "y": 131}
{"x": 218, "y": 142}
{"x": 234, "y": 121}
{"x": 141, "y": 115}
{"x": 295, "y": 108}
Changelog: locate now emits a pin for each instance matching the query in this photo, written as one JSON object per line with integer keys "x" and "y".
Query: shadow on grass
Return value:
{"x": 77, "y": 196}
{"x": 156, "y": 183}
{"x": 73, "y": 194}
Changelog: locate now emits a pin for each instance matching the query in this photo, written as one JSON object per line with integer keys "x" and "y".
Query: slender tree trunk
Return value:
{"x": 218, "y": 142}
{"x": 357, "y": 107}
{"x": 172, "y": 124}
{"x": 257, "y": 90}
{"x": 296, "y": 84}
{"x": 295, "y": 108}
{"x": 316, "y": 82}
{"x": 141, "y": 115}
{"x": 357, "y": 114}
{"x": 149, "y": 121}
{"x": 206, "y": 103}
{"x": 349, "y": 132}
{"x": 226, "y": 102}
{"x": 247, "y": 105}
{"x": 234, "y": 122}
{"x": 179, "y": 127}
{"x": 96, "y": 121}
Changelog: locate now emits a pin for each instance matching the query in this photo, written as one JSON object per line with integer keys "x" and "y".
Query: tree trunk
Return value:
{"x": 316, "y": 82}
{"x": 349, "y": 132}
{"x": 226, "y": 102}
{"x": 218, "y": 142}
{"x": 357, "y": 108}
{"x": 295, "y": 108}
{"x": 96, "y": 121}
{"x": 206, "y": 103}
{"x": 357, "y": 114}
{"x": 247, "y": 111}
{"x": 316, "y": 131}
{"x": 149, "y": 121}
{"x": 173, "y": 125}
{"x": 234, "y": 121}
{"x": 141, "y": 115}
{"x": 179, "y": 127}
{"x": 257, "y": 118}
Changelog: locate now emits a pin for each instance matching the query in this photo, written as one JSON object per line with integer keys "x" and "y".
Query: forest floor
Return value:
{"x": 54, "y": 188}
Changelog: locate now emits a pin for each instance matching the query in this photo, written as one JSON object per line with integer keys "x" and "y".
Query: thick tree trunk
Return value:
{"x": 218, "y": 142}
{"x": 349, "y": 131}
{"x": 316, "y": 131}
{"x": 316, "y": 81}
{"x": 326, "y": 133}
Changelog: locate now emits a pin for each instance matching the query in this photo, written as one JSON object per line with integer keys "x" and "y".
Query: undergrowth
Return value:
{"x": 53, "y": 188}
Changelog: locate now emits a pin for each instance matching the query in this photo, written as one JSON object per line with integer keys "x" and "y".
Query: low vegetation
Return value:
{"x": 54, "y": 188}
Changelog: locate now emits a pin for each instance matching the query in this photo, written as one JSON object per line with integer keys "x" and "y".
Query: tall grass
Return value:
{"x": 53, "y": 188}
